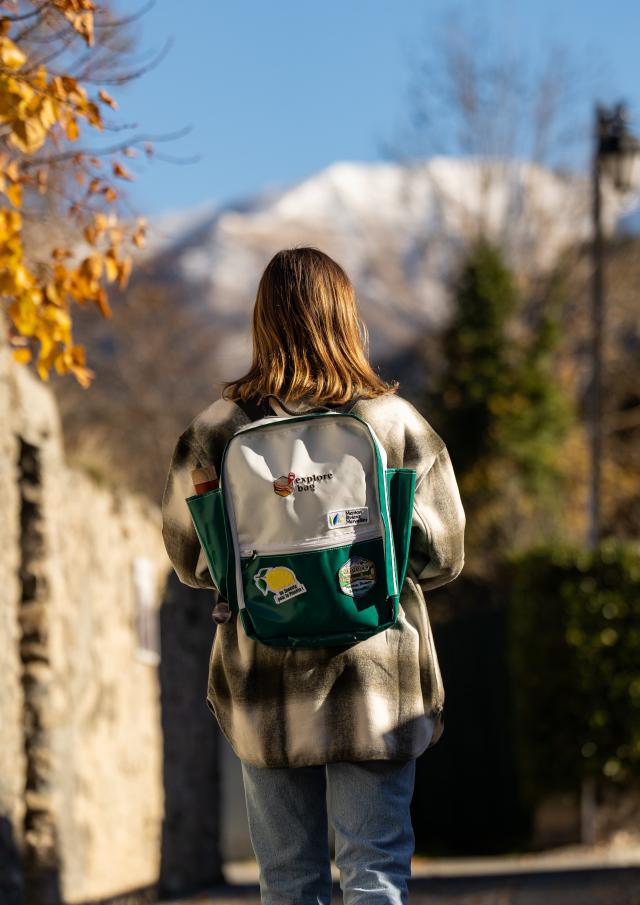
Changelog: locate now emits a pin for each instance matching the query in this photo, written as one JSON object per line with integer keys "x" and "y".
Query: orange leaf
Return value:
{"x": 72, "y": 129}
{"x": 111, "y": 266}
{"x": 91, "y": 267}
{"x": 107, "y": 99}
{"x": 93, "y": 115}
{"x": 91, "y": 234}
{"x": 125, "y": 271}
{"x": 120, "y": 172}
{"x": 59, "y": 253}
{"x": 14, "y": 194}
{"x": 102, "y": 303}
{"x": 22, "y": 355}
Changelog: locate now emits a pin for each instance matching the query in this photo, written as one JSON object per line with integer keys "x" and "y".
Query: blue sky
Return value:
{"x": 275, "y": 91}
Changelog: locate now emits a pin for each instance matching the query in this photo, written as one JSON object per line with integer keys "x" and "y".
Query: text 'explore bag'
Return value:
{"x": 307, "y": 536}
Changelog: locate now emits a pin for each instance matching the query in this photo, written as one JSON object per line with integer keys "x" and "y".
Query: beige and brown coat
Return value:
{"x": 381, "y": 699}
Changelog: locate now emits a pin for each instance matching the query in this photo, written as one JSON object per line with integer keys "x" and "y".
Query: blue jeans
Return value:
{"x": 368, "y": 804}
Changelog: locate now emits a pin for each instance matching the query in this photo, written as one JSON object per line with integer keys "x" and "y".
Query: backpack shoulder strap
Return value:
{"x": 254, "y": 408}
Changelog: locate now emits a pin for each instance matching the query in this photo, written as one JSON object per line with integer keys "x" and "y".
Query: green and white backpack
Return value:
{"x": 307, "y": 536}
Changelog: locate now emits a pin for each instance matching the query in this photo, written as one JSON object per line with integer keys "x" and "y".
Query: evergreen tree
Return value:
{"x": 500, "y": 409}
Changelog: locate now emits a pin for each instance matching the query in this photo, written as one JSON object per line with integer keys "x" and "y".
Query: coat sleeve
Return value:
{"x": 436, "y": 552}
{"x": 179, "y": 535}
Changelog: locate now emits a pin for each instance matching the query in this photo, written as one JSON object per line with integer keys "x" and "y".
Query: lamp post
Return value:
{"x": 616, "y": 157}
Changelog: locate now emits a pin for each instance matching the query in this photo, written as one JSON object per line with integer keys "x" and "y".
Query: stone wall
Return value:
{"x": 12, "y": 746}
{"x": 83, "y": 575}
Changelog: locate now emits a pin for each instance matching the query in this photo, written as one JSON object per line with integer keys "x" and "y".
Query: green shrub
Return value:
{"x": 573, "y": 629}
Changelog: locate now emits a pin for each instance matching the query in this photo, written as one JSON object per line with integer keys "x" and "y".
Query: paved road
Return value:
{"x": 579, "y": 886}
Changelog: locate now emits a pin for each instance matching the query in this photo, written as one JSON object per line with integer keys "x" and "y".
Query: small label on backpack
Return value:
{"x": 345, "y": 518}
{"x": 280, "y": 581}
{"x": 357, "y": 576}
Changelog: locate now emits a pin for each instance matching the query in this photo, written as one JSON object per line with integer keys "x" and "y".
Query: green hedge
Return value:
{"x": 573, "y": 630}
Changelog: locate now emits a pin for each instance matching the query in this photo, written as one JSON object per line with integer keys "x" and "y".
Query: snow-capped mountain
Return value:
{"x": 396, "y": 229}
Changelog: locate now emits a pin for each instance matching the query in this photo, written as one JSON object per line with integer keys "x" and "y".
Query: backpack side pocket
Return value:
{"x": 210, "y": 521}
{"x": 401, "y": 484}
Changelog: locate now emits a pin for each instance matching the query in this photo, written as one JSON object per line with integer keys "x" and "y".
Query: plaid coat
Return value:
{"x": 381, "y": 699}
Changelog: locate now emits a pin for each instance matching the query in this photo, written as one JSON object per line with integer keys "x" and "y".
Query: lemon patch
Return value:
{"x": 280, "y": 581}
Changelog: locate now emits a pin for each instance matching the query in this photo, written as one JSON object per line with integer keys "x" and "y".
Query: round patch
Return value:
{"x": 357, "y": 576}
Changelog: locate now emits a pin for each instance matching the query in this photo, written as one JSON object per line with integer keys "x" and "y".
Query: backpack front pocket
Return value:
{"x": 299, "y": 598}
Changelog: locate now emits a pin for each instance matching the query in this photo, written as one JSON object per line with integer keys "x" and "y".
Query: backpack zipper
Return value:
{"x": 317, "y": 543}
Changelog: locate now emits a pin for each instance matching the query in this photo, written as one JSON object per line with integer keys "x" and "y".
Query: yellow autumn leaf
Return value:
{"x": 10, "y": 54}
{"x": 111, "y": 267}
{"x": 22, "y": 277}
{"x": 72, "y": 130}
{"x": 39, "y": 78}
{"x": 48, "y": 113}
{"x": 58, "y": 87}
{"x": 14, "y": 194}
{"x": 91, "y": 267}
{"x": 52, "y": 295}
{"x": 81, "y": 21}
{"x": 22, "y": 355}
{"x": 91, "y": 234}
{"x": 102, "y": 303}
{"x": 124, "y": 273}
{"x": 27, "y": 135}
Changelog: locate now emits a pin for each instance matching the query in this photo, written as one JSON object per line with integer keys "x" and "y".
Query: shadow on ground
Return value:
{"x": 591, "y": 886}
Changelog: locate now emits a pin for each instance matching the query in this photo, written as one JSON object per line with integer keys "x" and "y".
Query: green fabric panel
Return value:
{"x": 344, "y": 639}
{"x": 297, "y": 599}
{"x": 209, "y": 519}
{"x": 402, "y": 484}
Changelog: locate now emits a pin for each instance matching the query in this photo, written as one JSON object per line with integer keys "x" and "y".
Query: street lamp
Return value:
{"x": 616, "y": 157}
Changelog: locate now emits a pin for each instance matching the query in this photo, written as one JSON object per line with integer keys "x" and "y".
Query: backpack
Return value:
{"x": 307, "y": 535}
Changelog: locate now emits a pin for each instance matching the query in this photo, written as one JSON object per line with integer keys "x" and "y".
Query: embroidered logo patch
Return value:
{"x": 345, "y": 518}
{"x": 280, "y": 581}
{"x": 357, "y": 576}
{"x": 283, "y": 485}
{"x": 286, "y": 484}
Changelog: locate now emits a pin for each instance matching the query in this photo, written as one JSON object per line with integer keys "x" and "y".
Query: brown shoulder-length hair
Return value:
{"x": 309, "y": 341}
